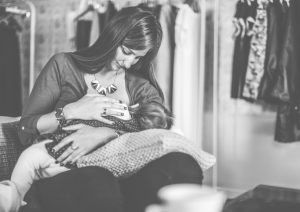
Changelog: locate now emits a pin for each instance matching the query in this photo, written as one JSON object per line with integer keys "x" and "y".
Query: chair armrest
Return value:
{"x": 10, "y": 148}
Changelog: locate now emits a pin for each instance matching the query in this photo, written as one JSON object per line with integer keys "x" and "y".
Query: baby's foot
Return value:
{"x": 10, "y": 199}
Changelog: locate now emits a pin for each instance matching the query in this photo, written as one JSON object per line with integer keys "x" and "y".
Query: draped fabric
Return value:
{"x": 276, "y": 15}
{"x": 83, "y": 32}
{"x": 241, "y": 48}
{"x": 90, "y": 25}
{"x": 10, "y": 74}
{"x": 105, "y": 17}
{"x": 287, "y": 87}
{"x": 186, "y": 72}
{"x": 164, "y": 63}
{"x": 255, "y": 67}
{"x": 100, "y": 20}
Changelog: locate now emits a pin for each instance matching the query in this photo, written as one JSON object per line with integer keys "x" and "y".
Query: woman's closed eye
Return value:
{"x": 138, "y": 55}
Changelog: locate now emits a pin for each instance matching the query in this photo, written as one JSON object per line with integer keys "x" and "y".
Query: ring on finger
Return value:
{"x": 104, "y": 112}
{"x": 74, "y": 146}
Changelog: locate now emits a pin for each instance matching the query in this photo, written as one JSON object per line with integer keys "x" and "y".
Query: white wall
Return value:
{"x": 248, "y": 154}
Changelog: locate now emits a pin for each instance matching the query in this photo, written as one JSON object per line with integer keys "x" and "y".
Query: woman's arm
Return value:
{"x": 89, "y": 107}
{"x": 39, "y": 116}
{"x": 41, "y": 102}
{"x": 47, "y": 123}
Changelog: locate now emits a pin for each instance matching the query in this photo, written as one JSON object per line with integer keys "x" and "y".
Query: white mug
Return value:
{"x": 189, "y": 198}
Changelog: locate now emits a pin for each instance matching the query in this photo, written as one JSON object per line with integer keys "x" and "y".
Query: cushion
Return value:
{"x": 130, "y": 152}
{"x": 10, "y": 148}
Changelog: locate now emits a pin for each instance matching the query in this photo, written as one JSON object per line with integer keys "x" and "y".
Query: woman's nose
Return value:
{"x": 127, "y": 64}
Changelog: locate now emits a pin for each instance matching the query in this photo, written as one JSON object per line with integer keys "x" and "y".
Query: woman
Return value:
{"x": 85, "y": 85}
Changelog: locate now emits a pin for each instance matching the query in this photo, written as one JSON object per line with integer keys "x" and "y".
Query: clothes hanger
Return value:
{"x": 151, "y": 3}
{"x": 243, "y": 27}
{"x": 237, "y": 28}
{"x": 100, "y": 6}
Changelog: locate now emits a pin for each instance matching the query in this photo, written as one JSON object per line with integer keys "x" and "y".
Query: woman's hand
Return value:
{"x": 84, "y": 140}
{"x": 95, "y": 107}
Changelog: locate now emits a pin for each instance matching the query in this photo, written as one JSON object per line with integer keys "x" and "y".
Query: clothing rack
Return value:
{"x": 14, "y": 10}
{"x": 6, "y": 9}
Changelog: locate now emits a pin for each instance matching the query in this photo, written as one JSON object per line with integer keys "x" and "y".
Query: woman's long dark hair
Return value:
{"x": 132, "y": 27}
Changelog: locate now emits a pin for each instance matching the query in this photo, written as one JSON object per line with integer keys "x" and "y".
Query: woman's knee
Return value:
{"x": 99, "y": 181}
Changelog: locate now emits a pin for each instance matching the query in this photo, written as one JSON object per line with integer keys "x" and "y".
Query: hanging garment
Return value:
{"x": 71, "y": 29}
{"x": 164, "y": 63}
{"x": 99, "y": 21}
{"x": 84, "y": 19}
{"x": 287, "y": 87}
{"x": 241, "y": 47}
{"x": 256, "y": 61}
{"x": 10, "y": 74}
{"x": 288, "y": 123}
{"x": 83, "y": 32}
{"x": 277, "y": 17}
{"x": 95, "y": 31}
{"x": 186, "y": 72}
{"x": 104, "y": 18}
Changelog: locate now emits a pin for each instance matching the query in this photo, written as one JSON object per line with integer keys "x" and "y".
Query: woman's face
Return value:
{"x": 126, "y": 57}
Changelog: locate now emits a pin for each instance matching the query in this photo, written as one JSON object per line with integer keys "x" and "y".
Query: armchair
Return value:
{"x": 10, "y": 149}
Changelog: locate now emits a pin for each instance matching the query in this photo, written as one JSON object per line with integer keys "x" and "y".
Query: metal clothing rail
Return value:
{"x": 201, "y": 80}
{"x": 32, "y": 43}
{"x": 215, "y": 126}
{"x": 14, "y": 10}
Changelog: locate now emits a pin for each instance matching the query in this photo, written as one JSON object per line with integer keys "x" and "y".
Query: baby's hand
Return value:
{"x": 134, "y": 108}
{"x": 119, "y": 113}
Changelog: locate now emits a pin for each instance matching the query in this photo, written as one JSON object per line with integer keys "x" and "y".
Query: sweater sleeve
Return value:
{"x": 42, "y": 99}
{"x": 143, "y": 92}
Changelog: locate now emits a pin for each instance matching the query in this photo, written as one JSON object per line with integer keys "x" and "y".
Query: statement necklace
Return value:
{"x": 104, "y": 90}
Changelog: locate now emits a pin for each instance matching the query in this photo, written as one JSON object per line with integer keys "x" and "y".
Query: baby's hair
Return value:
{"x": 153, "y": 115}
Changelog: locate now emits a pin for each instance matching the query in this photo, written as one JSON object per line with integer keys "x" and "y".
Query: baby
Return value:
{"x": 38, "y": 161}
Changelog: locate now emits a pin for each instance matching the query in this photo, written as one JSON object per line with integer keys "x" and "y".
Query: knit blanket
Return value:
{"x": 127, "y": 154}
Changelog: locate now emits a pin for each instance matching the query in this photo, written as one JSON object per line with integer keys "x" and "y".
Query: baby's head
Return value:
{"x": 153, "y": 115}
